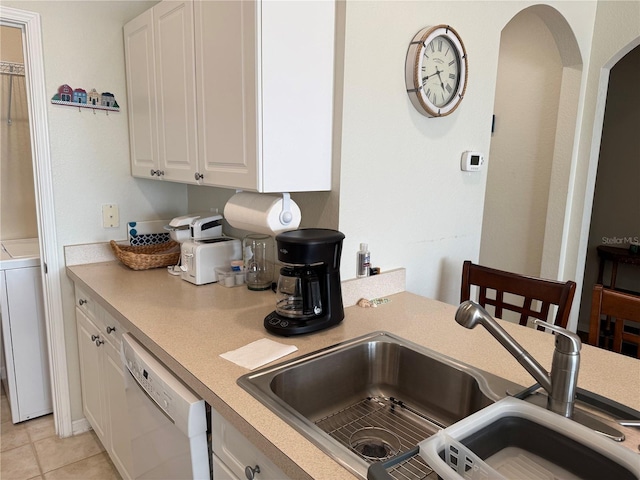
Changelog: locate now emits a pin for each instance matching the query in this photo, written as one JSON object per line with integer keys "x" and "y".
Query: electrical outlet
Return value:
{"x": 110, "y": 216}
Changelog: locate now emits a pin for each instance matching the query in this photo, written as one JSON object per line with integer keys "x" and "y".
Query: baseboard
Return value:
{"x": 80, "y": 426}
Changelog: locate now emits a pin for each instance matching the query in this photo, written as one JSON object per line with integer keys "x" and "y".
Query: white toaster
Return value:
{"x": 200, "y": 259}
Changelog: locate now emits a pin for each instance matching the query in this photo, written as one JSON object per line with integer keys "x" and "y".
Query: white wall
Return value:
{"x": 521, "y": 155}
{"x": 83, "y": 47}
{"x": 402, "y": 190}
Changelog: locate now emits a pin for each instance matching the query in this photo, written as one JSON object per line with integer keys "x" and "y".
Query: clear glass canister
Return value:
{"x": 258, "y": 261}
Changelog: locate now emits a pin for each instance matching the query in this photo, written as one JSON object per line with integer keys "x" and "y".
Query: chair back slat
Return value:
{"x": 531, "y": 289}
{"x": 616, "y": 307}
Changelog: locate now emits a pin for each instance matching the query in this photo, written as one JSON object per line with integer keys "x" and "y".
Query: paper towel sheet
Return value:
{"x": 258, "y": 353}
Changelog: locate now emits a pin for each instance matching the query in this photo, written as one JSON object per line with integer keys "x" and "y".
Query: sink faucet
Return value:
{"x": 561, "y": 383}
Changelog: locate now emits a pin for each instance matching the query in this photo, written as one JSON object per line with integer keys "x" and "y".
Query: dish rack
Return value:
{"x": 362, "y": 425}
{"x": 145, "y": 257}
{"x": 514, "y": 439}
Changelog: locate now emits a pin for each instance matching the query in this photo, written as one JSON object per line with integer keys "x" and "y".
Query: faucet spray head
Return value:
{"x": 470, "y": 314}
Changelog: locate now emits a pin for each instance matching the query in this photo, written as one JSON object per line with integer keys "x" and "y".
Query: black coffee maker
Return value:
{"x": 309, "y": 295}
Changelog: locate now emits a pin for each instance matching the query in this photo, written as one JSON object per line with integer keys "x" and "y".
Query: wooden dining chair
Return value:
{"x": 531, "y": 289}
{"x": 617, "y": 307}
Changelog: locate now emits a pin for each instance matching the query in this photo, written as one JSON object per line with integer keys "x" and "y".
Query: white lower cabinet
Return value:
{"x": 235, "y": 458}
{"x": 91, "y": 360}
{"x": 102, "y": 380}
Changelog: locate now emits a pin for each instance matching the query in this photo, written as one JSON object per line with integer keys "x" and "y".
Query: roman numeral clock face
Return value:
{"x": 436, "y": 71}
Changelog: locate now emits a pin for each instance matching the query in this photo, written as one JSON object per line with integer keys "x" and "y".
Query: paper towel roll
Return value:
{"x": 260, "y": 213}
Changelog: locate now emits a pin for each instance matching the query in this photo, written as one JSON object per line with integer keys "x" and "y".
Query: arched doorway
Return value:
{"x": 615, "y": 221}
{"x": 529, "y": 164}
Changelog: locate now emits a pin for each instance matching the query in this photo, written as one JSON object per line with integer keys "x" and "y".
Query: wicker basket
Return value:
{"x": 147, "y": 256}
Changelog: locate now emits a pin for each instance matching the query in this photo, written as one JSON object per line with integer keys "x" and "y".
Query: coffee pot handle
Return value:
{"x": 312, "y": 300}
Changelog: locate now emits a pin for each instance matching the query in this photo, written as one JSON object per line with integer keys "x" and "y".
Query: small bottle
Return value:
{"x": 364, "y": 261}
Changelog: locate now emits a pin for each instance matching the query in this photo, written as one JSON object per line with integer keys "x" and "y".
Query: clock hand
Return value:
{"x": 427, "y": 77}
{"x": 441, "y": 83}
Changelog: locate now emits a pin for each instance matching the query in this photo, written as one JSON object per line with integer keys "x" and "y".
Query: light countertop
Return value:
{"x": 189, "y": 326}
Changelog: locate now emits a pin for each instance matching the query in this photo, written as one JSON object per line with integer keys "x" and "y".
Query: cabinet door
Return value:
{"x": 175, "y": 83}
{"x": 114, "y": 386}
{"x": 226, "y": 81}
{"x": 91, "y": 377}
{"x": 237, "y": 453}
{"x": 220, "y": 470}
{"x": 296, "y": 70}
{"x": 141, "y": 94}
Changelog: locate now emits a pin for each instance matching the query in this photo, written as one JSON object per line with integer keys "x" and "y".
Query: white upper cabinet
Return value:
{"x": 159, "y": 58}
{"x": 175, "y": 89}
{"x": 296, "y": 67}
{"x": 227, "y": 93}
{"x": 141, "y": 94}
{"x": 261, "y": 88}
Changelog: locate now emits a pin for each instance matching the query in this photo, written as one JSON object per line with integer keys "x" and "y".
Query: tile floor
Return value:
{"x": 32, "y": 450}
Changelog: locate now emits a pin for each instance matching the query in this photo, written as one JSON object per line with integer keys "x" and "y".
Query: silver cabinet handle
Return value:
{"x": 110, "y": 329}
{"x": 250, "y": 473}
{"x": 99, "y": 342}
{"x": 94, "y": 338}
{"x": 198, "y": 176}
{"x": 154, "y": 172}
{"x": 82, "y": 301}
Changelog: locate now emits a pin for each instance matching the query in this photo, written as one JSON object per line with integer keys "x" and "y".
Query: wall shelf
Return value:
{"x": 86, "y": 105}
{"x": 80, "y": 98}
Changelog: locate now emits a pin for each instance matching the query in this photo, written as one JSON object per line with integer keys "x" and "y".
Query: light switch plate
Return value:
{"x": 110, "y": 216}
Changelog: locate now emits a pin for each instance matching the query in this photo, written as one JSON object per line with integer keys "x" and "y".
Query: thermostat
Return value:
{"x": 471, "y": 161}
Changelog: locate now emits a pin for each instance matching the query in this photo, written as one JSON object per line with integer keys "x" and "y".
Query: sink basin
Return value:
{"x": 372, "y": 398}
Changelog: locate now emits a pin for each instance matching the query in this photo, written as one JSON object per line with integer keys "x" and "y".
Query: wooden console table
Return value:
{"x": 615, "y": 255}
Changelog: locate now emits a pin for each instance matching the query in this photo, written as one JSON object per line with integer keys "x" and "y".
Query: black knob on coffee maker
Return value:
{"x": 313, "y": 259}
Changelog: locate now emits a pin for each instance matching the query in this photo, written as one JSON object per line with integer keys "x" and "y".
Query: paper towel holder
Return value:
{"x": 285, "y": 215}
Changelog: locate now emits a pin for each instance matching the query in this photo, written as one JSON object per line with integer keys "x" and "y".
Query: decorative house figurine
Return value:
{"x": 65, "y": 92}
{"x": 80, "y": 95}
{"x": 93, "y": 97}
{"x": 108, "y": 99}
{"x": 81, "y": 99}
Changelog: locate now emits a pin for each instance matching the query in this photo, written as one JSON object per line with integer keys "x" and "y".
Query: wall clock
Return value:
{"x": 436, "y": 71}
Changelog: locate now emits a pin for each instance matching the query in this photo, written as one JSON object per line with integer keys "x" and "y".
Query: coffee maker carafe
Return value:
{"x": 309, "y": 295}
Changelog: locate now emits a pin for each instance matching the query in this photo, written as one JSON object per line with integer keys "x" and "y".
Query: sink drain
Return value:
{"x": 375, "y": 443}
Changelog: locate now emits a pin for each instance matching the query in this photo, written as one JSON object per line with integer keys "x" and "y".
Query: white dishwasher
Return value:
{"x": 167, "y": 421}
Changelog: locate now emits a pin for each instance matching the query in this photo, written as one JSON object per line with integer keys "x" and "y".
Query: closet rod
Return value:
{"x": 11, "y": 69}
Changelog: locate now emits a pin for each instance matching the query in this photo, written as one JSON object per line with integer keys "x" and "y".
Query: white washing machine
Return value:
{"x": 24, "y": 356}
{"x": 167, "y": 421}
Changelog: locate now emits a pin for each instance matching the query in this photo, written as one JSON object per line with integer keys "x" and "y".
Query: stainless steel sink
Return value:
{"x": 378, "y": 396}
{"x": 374, "y": 397}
